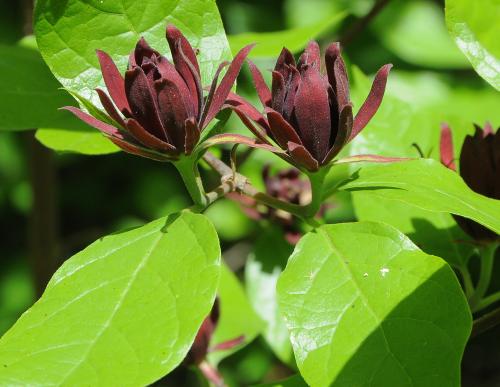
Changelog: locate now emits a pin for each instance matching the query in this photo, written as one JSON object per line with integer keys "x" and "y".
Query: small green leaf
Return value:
{"x": 269, "y": 44}
{"x": 87, "y": 142}
{"x": 262, "y": 271}
{"x": 30, "y": 94}
{"x": 124, "y": 311}
{"x": 426, "y": 184}
{"x": 69, "y": 32}
{"x": 237, "y": 318}
{"x": 475, "y": 28}
{"x": 363, "y": 303}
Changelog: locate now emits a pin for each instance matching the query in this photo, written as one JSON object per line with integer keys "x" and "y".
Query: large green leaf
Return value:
{"x": 416, "y": 32}
{"x": 124, "y": 311}
{"x": 262, "y": 271}
{"x": 87, "y": 141}
{"x": 269, "y": 44}
{"x": 30, "y": 95}
{"x": 436, "y": 233}
{"x": 68, "y": 33}
{"x": 365, "y": 306}
{"x": 426, "y": 184}
{"x": 475, "y": 28}
{"x": 237, "y": 317}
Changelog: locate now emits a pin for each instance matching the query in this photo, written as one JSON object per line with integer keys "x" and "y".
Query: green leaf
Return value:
{"x": 416, "y": 32}
{"x": 365, "y": 306}
{"x": 269, "y": 44}
{"x": 475, "y": 28}
{"x": 262, "y": 271}
{"x": 69, "y": 32}
{"x": 30, "y": 94}
{"x": 124, "y": 311}
{"x": 426, "y": 184}
{"x": 237, "y": 318}
{"x": 436, "y": 233}
{"x": 89, "y": 141}
{"x": 292, "y": 381}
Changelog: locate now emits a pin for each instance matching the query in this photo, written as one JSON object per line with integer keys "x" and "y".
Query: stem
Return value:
{"x": 487, "y": 258}
{"x": 317, "y": 180}
{"x": 188, "y": 169}
{"x": 467, "y": 281}
{"x": 487, "y": 301}
{"x": 486, "y": 322}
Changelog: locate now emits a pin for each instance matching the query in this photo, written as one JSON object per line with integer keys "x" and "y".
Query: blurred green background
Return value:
{"x": 54, "y": 204}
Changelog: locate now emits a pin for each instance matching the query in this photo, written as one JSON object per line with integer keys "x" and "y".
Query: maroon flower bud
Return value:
{"x": 480, "y": 169}
{"x": 309, "y": 114}
{"x": 158, "y": 109}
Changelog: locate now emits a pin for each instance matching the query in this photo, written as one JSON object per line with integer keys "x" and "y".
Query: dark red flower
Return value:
{"x": 309, "y": 114}
{"x": 480, "y": 169}
{"x": 158, "y": 110}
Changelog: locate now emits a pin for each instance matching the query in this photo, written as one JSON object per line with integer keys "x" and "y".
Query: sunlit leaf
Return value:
{"x": 124, "y": 311}
{"x": 363, "y": 303}
{"x": 475, "y": 28}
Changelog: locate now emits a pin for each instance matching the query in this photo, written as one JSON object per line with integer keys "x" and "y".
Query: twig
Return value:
{"x": 355, "y": 29}
{"x": 486, "y": 322}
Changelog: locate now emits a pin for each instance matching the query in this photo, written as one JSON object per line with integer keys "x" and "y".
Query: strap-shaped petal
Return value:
{"x": 248, "y": 109}
{"x": 282, "y": 131}
{"x": 144, "y": 137}
{"x": 331, "y": 54}
{"x": 372, "y": 102}
{"x": 211, "y": 93}
{"x": 227, "y": 83}
{"x": 241, "y": 112}
{"x": 291, "y": 91}
{"x": 228, "y": 138}
{"x": 302, "y": 157}
{"x": 192, "y": 135}
{"x": 311, "y": 56}
{"x": 173, "y": 111}
{"x": 260, "y": 85}
{"x": 278, "y": 91}
{"x": 110, "y": 108}
{"x": 343, "y": 133}
{"x": 341, "y": 82}
{"x": 446, "y": 147}
{"x": 143, "y": 51}
{"x": 285, "y": 59}
{"x": 105, "y": 128}
{"x": 140, "y": 151}
{"x": 371, "y": 159}
{"x": 185, "y": 62}
{"x": 312, "y": 112}
{"x": 143, "y": 103}
{"x": 113, "y": 80}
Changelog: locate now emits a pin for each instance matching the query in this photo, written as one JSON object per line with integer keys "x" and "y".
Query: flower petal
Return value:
{"x": 302, "y": 157}
{"x": 291, "y": 91}
{"x": 107, "y": 129}
{"x": 312, "y": 112}
{"x": 143, "y": 103}
{"x": 146, "y": 138}
{"x": 331, "y": 54}
{"x": 248, "y": 109}
{"x": 311, "y": 56}
{"x": 282, "y": 131}
{"x": 211, "y": 93}
{"x": 278, "y": 91}
{"x": 172, "y": 110}
{"x": 227, "y": 83}
{"x": 260, "y": 85}
{"x": 140, "y": 151}
{"x": 242, "y": 114}
{"x": 228, "y": 138}
{"x": 192, "y": 135}
{"x": 446, "y": 147}
{"x": 113, "y": 80}
{"x": 341, "y": 82}
{"x": 373, "y": 101}
{"x": 109, "y": 107}
{"x": 343, "y": 133}
{"x": 143, "y": 50}
{"x": 285, "y": 59}
{"x": 371, "y": 159}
